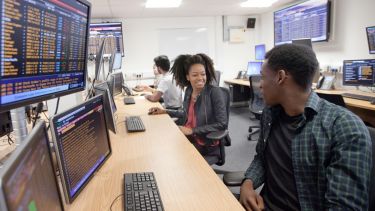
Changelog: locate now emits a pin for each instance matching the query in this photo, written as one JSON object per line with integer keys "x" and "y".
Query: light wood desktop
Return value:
{"x": 185, "y": 180}
{"x": 363, "y": 109}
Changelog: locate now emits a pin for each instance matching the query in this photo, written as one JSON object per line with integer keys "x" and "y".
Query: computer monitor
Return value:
{"x": 109, "y": 105}
{"x": 99, "y": 59}
{"x": 82, "y": 144}
{"x": 307, "y": 19}
{"x": 359, "y": 72}
{"x": 116, "y": 82}
{"x": 43, "y": 50}
{"x": 28, "y": 180}
{"x": 117, "y": 61}
{"x": 371, "y": 39}
{"x": 305, "y": 41}
{"x": 254, "y": 68}
{"x": 112, "y": 32}
{"x": 260, "y": 51}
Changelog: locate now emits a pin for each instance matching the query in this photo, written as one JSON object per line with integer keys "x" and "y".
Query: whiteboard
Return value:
{"x": 173, "y": 42}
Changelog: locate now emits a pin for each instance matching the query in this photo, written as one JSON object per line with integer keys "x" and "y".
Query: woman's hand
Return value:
{"x": 156, "y": 110}
{"x": 186, "y": 131}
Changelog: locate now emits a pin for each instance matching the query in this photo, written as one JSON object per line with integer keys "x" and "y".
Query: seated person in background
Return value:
{"x": 311, "y": 154}
{"x": 151, "y": 88}
{"x": 204, "y": 108}
{"x": 167, "y": 88}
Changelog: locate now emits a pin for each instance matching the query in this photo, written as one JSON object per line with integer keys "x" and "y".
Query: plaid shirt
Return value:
{"x": 331, "y": 157}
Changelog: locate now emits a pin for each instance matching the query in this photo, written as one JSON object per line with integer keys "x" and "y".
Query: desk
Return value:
{"x": 185, "y": 180}
{"x": 362, "y": 108}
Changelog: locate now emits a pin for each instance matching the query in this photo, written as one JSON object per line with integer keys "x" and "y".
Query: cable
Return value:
{"x": 110, "y": 208}
{"x": 56, "y": 109}
{"x": 91, "y": 89}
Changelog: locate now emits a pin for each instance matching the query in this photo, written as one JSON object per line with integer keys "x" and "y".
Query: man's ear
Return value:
{"x": 282, "y": 75}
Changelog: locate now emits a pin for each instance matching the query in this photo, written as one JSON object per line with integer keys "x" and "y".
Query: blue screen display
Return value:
{"x": 254, "y": 68}
{"x": 260, "y": 51}
{"x": 309, "y": 19}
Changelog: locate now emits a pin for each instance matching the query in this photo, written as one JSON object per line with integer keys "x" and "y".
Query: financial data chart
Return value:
{"x": 112, "y": 32}
{"x": 359, "y": 72}
{"x": 43, "y": 48}
{"x": 309, "y": 19}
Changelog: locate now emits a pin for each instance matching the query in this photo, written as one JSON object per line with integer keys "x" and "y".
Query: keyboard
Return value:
{"x": 134, "y": 124}
{"x": 141, "y": 192}
{"x": 129, "y": 100}
{"x": 358, "y": 97}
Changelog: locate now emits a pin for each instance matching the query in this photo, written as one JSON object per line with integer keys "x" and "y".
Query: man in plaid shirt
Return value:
{"x": 311, "y": 154}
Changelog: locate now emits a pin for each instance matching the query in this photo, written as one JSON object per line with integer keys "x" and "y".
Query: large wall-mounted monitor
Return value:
{"x": 43, "y": 50}
{"x": 260, "y": 52}
{"x": 28, "y": 180}
{"x": 82, "y": 144}
{"x": 309, "y": 19}
{"x": 112, "y": 32}
{"x": 371, "y": 38}
{"x": 359, "y": 72}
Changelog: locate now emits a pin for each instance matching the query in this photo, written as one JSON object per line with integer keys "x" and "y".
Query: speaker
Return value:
{"x": 251, "y": 23}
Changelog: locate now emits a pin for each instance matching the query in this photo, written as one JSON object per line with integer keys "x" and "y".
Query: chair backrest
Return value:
{"x": 333, "y": 98}
{"x": 372, "y": 177}
{"x": 216, "y": 82}
{"x": 256, "y": 97}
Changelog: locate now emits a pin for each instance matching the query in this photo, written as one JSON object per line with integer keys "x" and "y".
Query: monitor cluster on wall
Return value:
{"x": 111, "y": 32}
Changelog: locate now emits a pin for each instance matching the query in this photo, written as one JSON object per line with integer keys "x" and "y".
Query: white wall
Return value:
{"x": 141, "y": 42}
{"x": 348, "y": 39}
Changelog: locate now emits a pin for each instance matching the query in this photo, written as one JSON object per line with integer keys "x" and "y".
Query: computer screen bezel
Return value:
{"x": 122, "y": 33}
{"x": 107, "y": 98}
{"x": 328, "y": 25}
{"x": 63, "y": 177}
{"x": 15, "y": 158}
{"x": 357, "y": 84}
{"x": 9, "y": 106}
{"x": 263, "y": 47}
{"x": 368, "y": 39}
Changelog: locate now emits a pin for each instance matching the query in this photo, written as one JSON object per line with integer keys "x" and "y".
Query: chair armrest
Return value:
{"x": 233, "y": 178}
{"x": 218, "y": 135}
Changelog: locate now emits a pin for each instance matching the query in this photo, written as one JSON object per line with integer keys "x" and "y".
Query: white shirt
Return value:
{"x": 172, "y": 94}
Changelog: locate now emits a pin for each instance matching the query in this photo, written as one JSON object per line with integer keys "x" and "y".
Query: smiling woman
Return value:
{"x": 204, "y": 107}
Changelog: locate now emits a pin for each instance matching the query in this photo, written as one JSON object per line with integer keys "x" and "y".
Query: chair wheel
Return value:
{"x": 250, "y": 129}
{"x": 249, "y": 137}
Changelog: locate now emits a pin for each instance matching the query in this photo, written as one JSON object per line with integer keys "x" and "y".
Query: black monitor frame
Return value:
{"x": 29, "y": 101}
{"x": 113, "y": 83}
{"x": 358, "y": 83}
{"x": 371, "y": 51}
{"x": 17, "y": 156}
{"x": 63, "y": 175}
{"x": 108, "y": 101}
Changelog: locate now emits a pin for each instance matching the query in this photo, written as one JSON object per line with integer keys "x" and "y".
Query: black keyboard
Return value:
{"x": 134, "y": 124}
{"x": 129, "y": 100}
{"x": 358, "y": 97}
{"x": 141, "y": 192}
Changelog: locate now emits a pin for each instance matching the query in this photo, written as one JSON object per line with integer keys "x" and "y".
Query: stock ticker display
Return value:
{"x": 43, "y": 48}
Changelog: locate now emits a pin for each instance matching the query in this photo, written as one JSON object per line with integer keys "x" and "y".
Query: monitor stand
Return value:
{"x": 19, "y": 124}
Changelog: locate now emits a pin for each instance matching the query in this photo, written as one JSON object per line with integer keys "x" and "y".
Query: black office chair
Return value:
{"x": 235, "y": 178}
{"x": 256, "y": 103}
{"x": 222, "y": 136}
{"x": 333, "y": 98}
{"x": 216, "y": 82}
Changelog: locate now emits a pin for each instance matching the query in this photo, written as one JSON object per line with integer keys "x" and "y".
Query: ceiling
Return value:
{"x": 188, "y": 8}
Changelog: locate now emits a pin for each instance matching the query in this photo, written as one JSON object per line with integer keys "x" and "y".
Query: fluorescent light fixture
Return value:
{"x": 163, "y": 3}
{"x": 258, "y": 3}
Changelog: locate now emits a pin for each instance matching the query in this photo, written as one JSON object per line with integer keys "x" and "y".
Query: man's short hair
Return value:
{"x": 298, "y": 60}
{"x": 162, "y": 62}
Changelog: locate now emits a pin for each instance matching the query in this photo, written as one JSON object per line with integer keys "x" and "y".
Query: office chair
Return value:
{"x": 256, "y": 103}
{"x": 333, "y": 98}
{"x": 222, "y": 136}
{"x": 235, "y": 178}
{"x": 216, "y": 82}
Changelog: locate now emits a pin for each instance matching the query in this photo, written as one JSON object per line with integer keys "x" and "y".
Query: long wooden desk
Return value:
{"x": 363, "y": 109}
{"x": 185, "y": 180}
